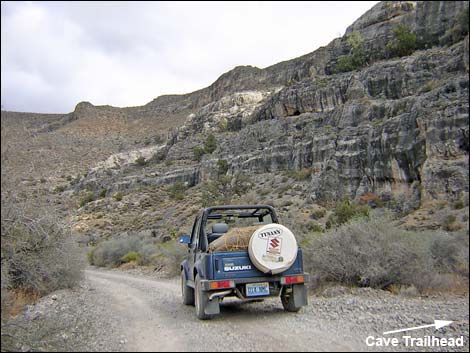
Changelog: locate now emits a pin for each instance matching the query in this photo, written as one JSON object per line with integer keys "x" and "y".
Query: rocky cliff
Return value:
{"x": 393, "y": 127}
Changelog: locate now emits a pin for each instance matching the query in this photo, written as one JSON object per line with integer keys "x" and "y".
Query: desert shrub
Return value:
{"x": 131, "y": 256}
{"x": 222, "y": 167}
{"x": 299, "y": 175}
{"x": 177, "y": 190}
{"x": 88, "y": 197}
{"x": 373, "y": 252}
{"x": 457, "y": 205}
{"x": 223, "y": 124}
{"x": 118, "y": 196}
{"x": 103, "y": 193}
{"x": 235, "y": 124}
{"x": 113, "y": 252}
{"x": 448, "y": 221}
{"x": 140, "y": 161}
{"x": 449, "y": 251}
{"x": 210, "y": 144}
{"x": 428, "y": 86}
{"x": 170, "y": 255}
{"x": 404, "y": 42}
{"x": 318, "y": 213}
{"x": 59, "y": 188}
{"x": 357, "y": 55}
{"x": 198, "y": 152}
{"x": 346, "y": 210}
{"x": 314, "y": 227}
{"x": 38, "y": 253}
{"x": 241, "y": 184}
{"x": 458, "y": 31}
{"x": 224, "y": 189}
{"x": 345, "y": 64}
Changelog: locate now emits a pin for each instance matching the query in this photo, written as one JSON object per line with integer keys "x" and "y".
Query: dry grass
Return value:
{"x": 18, "y": 299}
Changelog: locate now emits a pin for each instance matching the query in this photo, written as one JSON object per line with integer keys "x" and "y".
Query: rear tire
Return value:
{"x": 201, "y": 299}
{"x": 288, "y": 303}
{"x": 186, "y": 292}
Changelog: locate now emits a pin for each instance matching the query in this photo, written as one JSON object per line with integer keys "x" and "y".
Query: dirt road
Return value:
{"x": 113, "y": 310}
{"x": 157, "y": 320}
{"x": 153, "y": 318}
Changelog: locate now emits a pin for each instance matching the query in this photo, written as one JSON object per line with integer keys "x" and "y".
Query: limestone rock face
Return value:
{"x": 398, "y": 126}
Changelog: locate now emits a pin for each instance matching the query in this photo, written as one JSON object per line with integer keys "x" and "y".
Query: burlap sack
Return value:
{"x": 235, "y": 239}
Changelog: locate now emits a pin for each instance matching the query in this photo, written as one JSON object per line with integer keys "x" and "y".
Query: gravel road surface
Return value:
{"x": 119, "y": 311}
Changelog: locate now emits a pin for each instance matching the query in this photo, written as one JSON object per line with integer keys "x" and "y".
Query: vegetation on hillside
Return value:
{"x": 357, "y": 56}
{"x": 404, "y": 42}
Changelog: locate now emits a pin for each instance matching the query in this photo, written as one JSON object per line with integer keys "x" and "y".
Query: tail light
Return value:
{"x": 221, "y": 284}
{"x": 293, "y": 279}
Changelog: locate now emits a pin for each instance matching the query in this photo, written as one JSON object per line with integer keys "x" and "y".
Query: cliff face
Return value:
{"x": 395, "y": 127}
{"x": 398, "y": 126}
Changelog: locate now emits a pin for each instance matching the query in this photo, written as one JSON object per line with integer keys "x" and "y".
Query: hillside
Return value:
{"x": 302, "y": 135}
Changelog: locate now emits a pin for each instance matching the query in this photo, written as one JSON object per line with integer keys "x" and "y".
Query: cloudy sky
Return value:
{"x": 56, "y": 54}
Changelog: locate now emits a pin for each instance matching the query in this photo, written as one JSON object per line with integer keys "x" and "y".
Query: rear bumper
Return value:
{"x": 233, "y": 282}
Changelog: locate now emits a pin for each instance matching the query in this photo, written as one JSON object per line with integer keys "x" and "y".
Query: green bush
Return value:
{"x": 198, "y": 152}
{"x": 103, "y": 193}
{"x": 59, "y": 188}
{"x": 357, "y": 55}
{"x": 223, "y": 124}
{"x": 345, "y": 211}
{"x": 375, "y": 253}
{"x": 404, "y": 42}
{"x": 345, "y": 64}
{"x": 222, "y": 167}
{"x": 118, "y": 196}
{"x": 210, "y": 144}
{"x": 457, "y": 205}
{"x": 131, "y": 256}
{"x": 299, "y": 175}
{"x": 140, "y": 161}
{"x": 111, "y": 253}
{"x": 88, "y": 197}
{"x": 145, "y": 251}
{"x": 177, "y": 190}
{"x": 318, "y": 213}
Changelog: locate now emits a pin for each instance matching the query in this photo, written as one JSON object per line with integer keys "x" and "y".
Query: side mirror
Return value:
{"x": 185, "y": 239}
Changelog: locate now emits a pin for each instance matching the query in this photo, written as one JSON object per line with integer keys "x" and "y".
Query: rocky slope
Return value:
{"x": 396, "y": 128}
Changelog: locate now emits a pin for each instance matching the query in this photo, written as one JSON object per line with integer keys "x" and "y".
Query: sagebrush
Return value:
{"x": 376, "y": 253}
{"x": 38, "y": 252}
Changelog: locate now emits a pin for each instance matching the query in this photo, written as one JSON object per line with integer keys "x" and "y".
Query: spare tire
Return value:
{"x": 272, "y": 248}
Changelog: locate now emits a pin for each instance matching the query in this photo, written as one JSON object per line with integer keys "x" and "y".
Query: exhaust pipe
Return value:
{"x": 219, "y": 294}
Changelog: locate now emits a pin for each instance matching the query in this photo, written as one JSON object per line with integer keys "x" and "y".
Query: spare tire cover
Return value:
{"x": 272, "y": 248}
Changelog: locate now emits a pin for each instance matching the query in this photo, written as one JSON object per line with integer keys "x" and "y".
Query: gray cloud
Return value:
{"x": 55, "y": 54}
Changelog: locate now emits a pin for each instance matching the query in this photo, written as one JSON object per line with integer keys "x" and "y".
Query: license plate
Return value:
{"x": 256, "y": 289}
